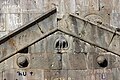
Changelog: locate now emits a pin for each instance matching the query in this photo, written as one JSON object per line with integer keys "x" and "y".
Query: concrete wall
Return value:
{"x": 86, "y": 41}
{"x": 14, "y": 13}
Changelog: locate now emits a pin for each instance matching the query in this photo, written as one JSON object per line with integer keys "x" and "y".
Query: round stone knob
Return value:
{"x": 101, "y": 60}
{"x": 22, "y": 61}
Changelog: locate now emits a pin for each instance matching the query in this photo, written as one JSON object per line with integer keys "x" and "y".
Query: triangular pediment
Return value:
{"x": 28, "y": 34}
{"x": 43, "y": 26}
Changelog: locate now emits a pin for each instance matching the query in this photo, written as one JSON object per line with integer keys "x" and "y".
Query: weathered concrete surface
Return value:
{"x": 76, "y": 62}
{"x": 88, "y": 38}
{"x": 27, "y": 34}
{"x": 15, "y": 13}
{"x": 99, "y": 35}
